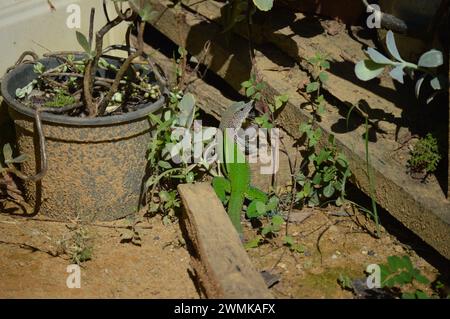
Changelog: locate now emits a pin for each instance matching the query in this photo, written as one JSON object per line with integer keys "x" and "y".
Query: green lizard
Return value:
{"x": 237, "y": 169}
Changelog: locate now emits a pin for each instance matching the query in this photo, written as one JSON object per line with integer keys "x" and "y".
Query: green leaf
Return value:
{"x": 436, "y": 83}
{"x": 187, "y": 108}
{"x": 392, "y": 47}
{"x": 263, "y": 5}
{"x": 312, "y": 87}
{"x": 431, "y": 59}
{"x": 377, "y": 57}
{"x": 254, "y": 243}
{"x": 404, "y": 277}
{"x": 323, "y": 155}
{"x": 190, "y": 177}
{"x": 83, "y": 42}
{"x": 277, "y": 221}
{"x": 317, "y": 178}
{"x": 254, "y": 193}
{"x": 260, "y": 86}
{"x": 394, "y": 263}
{"x": 267, "y": 229}
{"x": 422, "y": 279}
{"x": 367, "y": 70}
{"x": 288, "y": 240}
{"x": 19, "y": 159}
{"x": 252, "y": 212}
{"x": 260, "y": 208}
{"x": 221, "y": 186}
{"x": 397, "y": 73}
{"x": 328, "y": 190}
{"x": 323, "y": 76}
{"x": 421, "y": 295}
{"x": 342, "y": 160}
{"x": 325, "y": 64}
{"x": 406, "y": 263}
{"x": 7, "y": 152}
{"x": 164, "y": 164}
{"x": 147, "y": 13}
{"x": 408, "y": 295}
{"x": 246, "y": 84}
{"x": 250, "y": 91}
{"x": 272, "y": 204}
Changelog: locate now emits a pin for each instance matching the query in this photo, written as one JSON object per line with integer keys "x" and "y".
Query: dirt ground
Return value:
{"x": 33, "y": 260}
{"x": 158, "y": 269}
{"x": 334, "y": 245}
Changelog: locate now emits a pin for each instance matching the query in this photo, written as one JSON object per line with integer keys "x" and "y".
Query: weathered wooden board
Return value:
{"x": 221, "y": 263}
{"x": 422, "y": 208}
{"x": 302, "y": 37}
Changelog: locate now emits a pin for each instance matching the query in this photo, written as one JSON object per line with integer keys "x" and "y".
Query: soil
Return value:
{"x": 334, "y": 245}
{"x": 33, "y": 265}
{"x": 33, "y": 260}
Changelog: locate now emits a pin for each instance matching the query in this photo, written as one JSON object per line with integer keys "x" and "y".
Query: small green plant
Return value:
{"x": 289, "y": 242}
{"x": 79, "y": 246}
{"x": 132, "y": 232}
{"x": 60, "y": 99}
{"x": 425, "y": 155}
{"x": 345, "y": 282}
{"x": 376, "y": 62}
{"x": 329, "y": 174}
{"x": 320, "y": 76}
{"x": 166, "y": 154}
{"x": 76, "y": 88}
{"x": 254, "y": 90}
{"x": 8, "y": 162}
{"x": 399, "y": 274}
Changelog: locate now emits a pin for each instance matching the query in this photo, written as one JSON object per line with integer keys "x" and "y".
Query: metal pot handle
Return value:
{"x": 38, "y": 124}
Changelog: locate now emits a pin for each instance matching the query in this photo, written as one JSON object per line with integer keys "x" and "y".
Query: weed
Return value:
{"x": 319, "y": 74}
{"x": 132, "y": 232}
{"x": 400, "y": 279}
{"x": 79, "y": 246}
{"x": 425, "y": 155}
{"x": 60, "y": 99}
{"x": 270, "y": 106}
{"x": 329, "y": 174}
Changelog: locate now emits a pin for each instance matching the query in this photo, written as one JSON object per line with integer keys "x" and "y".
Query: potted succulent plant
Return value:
{"x": 81, "y": 118}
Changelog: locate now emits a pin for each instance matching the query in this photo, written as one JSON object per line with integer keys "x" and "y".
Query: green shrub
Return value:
{"x": 425, "y": 155}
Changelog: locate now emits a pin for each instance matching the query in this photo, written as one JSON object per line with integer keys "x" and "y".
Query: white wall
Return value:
{"x": 32, "y": 25}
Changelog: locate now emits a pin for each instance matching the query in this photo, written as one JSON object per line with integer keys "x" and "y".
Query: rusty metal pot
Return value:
{"x": 96, "y": 166}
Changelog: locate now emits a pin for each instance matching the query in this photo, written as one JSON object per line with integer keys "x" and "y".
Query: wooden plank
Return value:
{"x": 341, "y": 49}
{"x": 220, "y": 261}
{"x": 422, "y": 208}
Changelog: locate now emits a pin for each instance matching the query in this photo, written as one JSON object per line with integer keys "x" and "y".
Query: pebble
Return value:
{"x": 371, "y": 253}
{"x": 282, "y": 265}
{"x": 334, "y": 256}
{"x": 398, "y": 248}
{"x": 156, "y": 238}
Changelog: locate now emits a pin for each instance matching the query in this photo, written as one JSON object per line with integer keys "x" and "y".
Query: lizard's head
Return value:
{"x": 236, "y": 113}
